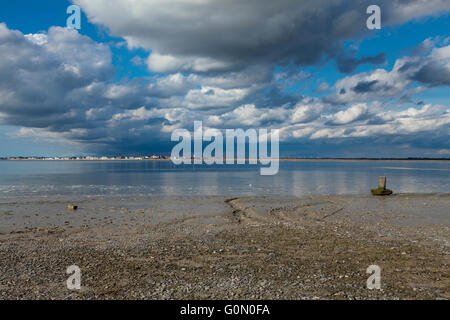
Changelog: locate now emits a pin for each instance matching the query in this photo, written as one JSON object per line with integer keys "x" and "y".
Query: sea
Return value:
{"x": 295, "y": 178}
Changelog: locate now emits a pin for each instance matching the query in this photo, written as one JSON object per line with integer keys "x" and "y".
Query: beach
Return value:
{"x": 221, "y": 247}
{"x": 225, "y": 151}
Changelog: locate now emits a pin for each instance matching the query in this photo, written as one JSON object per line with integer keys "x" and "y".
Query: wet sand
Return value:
{"x": 141, "y": 247}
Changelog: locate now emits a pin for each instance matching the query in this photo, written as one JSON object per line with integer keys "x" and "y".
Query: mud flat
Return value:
{"x": 141, "y": 247}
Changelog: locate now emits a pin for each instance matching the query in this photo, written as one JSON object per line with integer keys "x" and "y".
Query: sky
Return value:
{"x": 139, "y": 69}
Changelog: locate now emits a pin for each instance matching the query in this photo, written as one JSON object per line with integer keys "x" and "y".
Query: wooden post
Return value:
{"x": 382, "y": 190}
{"x": 382, "y": 183}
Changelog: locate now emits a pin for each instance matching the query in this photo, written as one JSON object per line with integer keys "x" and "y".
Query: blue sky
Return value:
{"x": 145, "y": 68}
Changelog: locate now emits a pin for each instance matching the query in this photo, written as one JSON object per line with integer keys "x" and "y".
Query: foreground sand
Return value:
{"x": 221, "y": 248}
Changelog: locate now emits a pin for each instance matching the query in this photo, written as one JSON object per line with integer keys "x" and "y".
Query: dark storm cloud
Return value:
{"x": 216, "y": 35}
{"x": 431, "y": 69}
{"x": 59, "y": 82}
{"x": 365, "y": 86}
{"x": 348, "y": 64}
{"x": 38, "y": 73}
{"x": 429, "y": 64}
{"x": 433, "y": 74}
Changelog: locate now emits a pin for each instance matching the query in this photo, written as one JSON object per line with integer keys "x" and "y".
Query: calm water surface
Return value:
{"x": 21, "y": 178}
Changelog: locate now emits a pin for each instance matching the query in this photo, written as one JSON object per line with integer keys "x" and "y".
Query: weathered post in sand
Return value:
{"x": 381, "y": 191}
{"x": 382, "y": 183}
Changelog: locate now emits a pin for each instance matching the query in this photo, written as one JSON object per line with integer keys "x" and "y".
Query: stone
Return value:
{"x": 381, "y": 192}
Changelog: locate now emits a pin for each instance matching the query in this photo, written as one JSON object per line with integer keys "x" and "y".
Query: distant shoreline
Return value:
{"x": 362, "y": 159}
{"x": 281, "y": 159}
